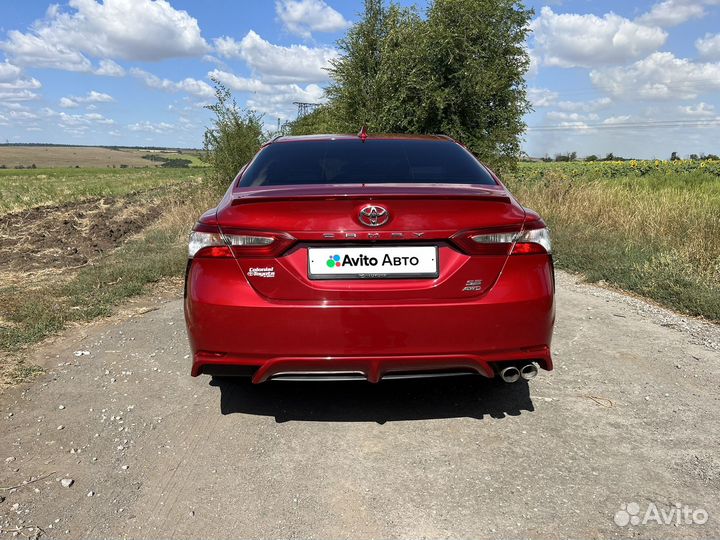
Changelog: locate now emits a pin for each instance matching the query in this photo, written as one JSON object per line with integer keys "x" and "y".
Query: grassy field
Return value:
{"x": 21, "y": 189}
{"x": 650, "y": 227}
{"x": 44, "y": 157}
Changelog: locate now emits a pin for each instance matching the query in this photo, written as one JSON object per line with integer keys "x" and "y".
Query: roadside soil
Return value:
{"x": 70, "y": 235}
{"x": 630, "y": 415}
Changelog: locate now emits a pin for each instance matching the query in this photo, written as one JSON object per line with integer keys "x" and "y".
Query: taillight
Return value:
{"x": 533, "y": 238}
{"x": 209, "y": 241}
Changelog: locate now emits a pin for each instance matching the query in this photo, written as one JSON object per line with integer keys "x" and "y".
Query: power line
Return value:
{"x": 649, "y": 124}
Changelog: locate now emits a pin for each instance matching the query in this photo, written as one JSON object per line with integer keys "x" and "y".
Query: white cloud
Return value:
{"x": 32, "y": 50}
{"x": 584, "y": 106}
{"x": 17, "y": 89}
{"x": 97, "y": 97}
{"x": 279, "y": 103}
{"x": 19, "y": 95}
{"x": 8, "y": 72}
{"x": 19, "y": 84}
{"x": 570, "y": 117}
{"x": 67, "y": 103}
{"x": 622, "y": 119}
{"x": 152, "y": 127}
{"x": 542, "y": 97}
{"x": 534, "y": 66}
{"x": 23, "y": 116}
{"x": 110, "y": 69}
{"x": 143, "y": 30}
{"x": 699, "y": 110}
{"x": 659, "y": 76}
{"x": 303, "y": 17}
{"x": 674, "y": 12}
{"x": 275, "y": 100}
{"x": 77, "y": 121}
{"x": 274, "y": 63}
{"x": 576, "y": 126}
{"x": 91, "y": 97}
{"x": 709, "y": 46}
{"x": 188, "y": 85}
{"x": 14, "y": 105}
{"x": 99, "y": 118}
{"x": 572, "y": 40}
{"x": 239, "y": 84}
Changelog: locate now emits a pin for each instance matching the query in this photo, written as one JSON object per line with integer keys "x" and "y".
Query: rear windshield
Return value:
{"x": 372, "y": 162}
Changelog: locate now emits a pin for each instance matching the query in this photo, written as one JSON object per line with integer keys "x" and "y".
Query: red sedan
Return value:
{"x": 369, "y": 257}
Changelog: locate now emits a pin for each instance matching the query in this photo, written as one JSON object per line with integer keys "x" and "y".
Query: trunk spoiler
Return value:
{"x": 344, "y": 192}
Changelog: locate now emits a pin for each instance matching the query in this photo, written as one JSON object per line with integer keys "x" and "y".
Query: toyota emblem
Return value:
{"x": 374, "y": 216}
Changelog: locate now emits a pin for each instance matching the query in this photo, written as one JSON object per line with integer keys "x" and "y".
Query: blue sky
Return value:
{"x": 636, "y": 78}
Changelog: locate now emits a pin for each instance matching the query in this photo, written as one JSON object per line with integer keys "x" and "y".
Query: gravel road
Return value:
{"x": 631, "y": 416}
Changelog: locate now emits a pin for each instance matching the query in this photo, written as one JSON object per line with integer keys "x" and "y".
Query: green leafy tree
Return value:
{"x": 458, "y": 71}
{"x": 233, "y": 139}
{"x": 322, "y": 120}
{"x": 353, "y": 94}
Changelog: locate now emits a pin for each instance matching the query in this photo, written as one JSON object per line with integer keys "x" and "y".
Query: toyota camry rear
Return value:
{"x": 344, "y": 257}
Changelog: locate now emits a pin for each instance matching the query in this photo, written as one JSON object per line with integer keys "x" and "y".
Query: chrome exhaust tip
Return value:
{"x": 529, "y": 371}
{"x": 510, "y": 374}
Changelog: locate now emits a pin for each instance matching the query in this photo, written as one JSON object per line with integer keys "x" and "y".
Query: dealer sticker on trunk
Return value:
{"x": 373, "y": 262}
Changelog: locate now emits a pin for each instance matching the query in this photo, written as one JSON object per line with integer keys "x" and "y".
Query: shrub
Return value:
{"x": 232, "y": 140}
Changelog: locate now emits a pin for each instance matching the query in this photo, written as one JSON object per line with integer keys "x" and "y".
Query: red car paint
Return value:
{"x": 256, "y": 309}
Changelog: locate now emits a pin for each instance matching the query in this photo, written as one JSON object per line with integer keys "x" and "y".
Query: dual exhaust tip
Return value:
{"x": 513, "y": 374}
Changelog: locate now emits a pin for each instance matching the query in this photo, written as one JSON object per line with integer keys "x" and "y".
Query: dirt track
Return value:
{"x": 631, "y": 415}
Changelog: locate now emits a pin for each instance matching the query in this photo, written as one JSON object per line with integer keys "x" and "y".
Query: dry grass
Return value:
{"x": 657, "y": 235}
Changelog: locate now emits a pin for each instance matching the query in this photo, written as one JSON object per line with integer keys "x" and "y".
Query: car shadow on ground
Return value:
{"x": 419, "y": 399}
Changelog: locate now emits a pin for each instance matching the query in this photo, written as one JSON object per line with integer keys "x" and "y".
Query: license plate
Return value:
{"x": 374, "y": 262}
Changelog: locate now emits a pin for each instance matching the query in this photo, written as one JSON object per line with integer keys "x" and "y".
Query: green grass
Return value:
{"x": 195, "y": 161}
{"x": 30, "y": 313}
{"x": 655, "y": 233}
{"x": 22, "y": 189}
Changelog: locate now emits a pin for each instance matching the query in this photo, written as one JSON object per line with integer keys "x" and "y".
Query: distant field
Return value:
{"x": 23, "y": 189}
{"x": 650, "y": 227}
{"x": 85, "y": 157}
{"x": 194, "y": 158}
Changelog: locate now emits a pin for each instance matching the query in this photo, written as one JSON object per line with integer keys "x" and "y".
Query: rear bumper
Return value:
{"x": 234, "y": 329}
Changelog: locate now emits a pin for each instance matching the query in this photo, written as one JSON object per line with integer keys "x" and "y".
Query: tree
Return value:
{"x": 591, "y": 157}
{"x": 322, "y": 120}
{"x": 234, "y": 138}
{"x": 674, "y": 156}
{"x": 459, "y": 71}
{"x": 353, "y": 93}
